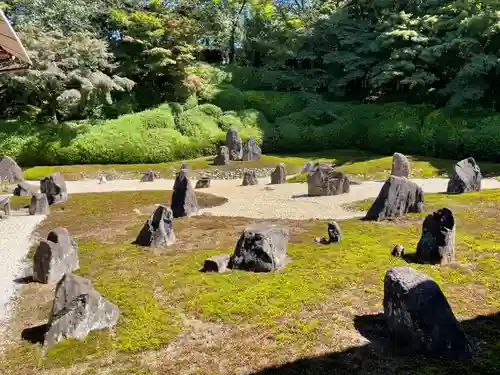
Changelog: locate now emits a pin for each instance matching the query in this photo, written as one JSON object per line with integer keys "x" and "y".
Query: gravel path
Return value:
{"x": 263, "y": 201}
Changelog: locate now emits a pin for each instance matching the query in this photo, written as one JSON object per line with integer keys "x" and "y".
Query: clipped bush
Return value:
{"x": 210, "y": 110}
{"x": 483, "y": 141}
{"x": 157, "y": 118}
{"x": 230, "y": 120}
{"x": 191, "y": 102}
{"x": 228, "y": 98}
{"x": 197, "y": 124}
{"x": 275, "y": 104}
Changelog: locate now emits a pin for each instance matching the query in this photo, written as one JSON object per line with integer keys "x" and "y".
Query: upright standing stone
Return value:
{"x": 10, "y": 171}
{"x": 308, "y": 167}
{"x": 437, "y": 243}
{"x": 39, "y": 204}
{"x": 278, "y": 176}
{"x": 25, "y": 189}
{"x": 465, "y": 177}
{"x": 54, "y": 187}
{"x": 158, "y": 231}
{"x": 55, "y": 257}
{"x": 397, "y": 197}
{"x": 5, "y": 204}
{"x": 223, "y": 156}
{"x": 334, "y": 232}
{"x": 418, "y": 314}
{"x": 261, "y": 248}
{"x": 251, "y": 150}
{"x": 77, "y": 310}
{"x": 184, "y": 201}
{"x": 400, "y": 165}
{"x": 249, "y": 178}
{"x": 234, "y": 144}
{"x": 323, "y": 180}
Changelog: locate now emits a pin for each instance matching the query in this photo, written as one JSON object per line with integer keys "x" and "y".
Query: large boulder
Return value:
{"x": 55, "y": 257}
{"x": 25, "y": 189}
{"x": 437, "y": 243}
{"x": 324, "y": 180}
{"x": 184, "y": 201}
{"x": 418, "y": 314}
{"x": 77, "y": 310}
{"x": 397, "y": 197}
{"x": 261, "y": 248}
{"x": 465, "y": 177}
{"x": 39, "y": 204}
{"x": 223, "y": 157}
{"x": 249, "y": 178}
{"x": 278, "y": 176}
{"x": 234, "y": 144}
{"x": 400, "y": 165}
{"x": 158, "y": 230}
{"x": 54, "y": 187}
{"x": 251, "y": 150}
{"x": 10, "y": 171}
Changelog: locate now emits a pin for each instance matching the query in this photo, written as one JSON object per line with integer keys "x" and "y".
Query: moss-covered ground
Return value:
{"x": 320, "y": 309}
{"x": 361, "y": 164}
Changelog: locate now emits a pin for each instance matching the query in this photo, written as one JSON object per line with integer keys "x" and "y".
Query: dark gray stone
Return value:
{"x": 223, "y": 156}
{"x": 25, "y": 189}
{"x": 54, "y": 187}
{"x": 418, "y": 314}
{"x": 149, "y": 176}
{"x": 397, "y": 197}
{"x": 184, "y": 201}
{"x": 249, "y": 178}
{"x": 55, "y": 257}
{"x": 308, "y": 167}
{"x": 251, "y": 150}
{"x": 437, "y": 243}
{"x": 217, "y": 263}
{"x": 261, "y": 248}
{"x": 234, "y": 144}
{"x": 77, "y": 310}
{"x": 400, "y": 165}
{"x": 5, "y": 205}
{"x": 39, "y": 204}
{"x": 279, "y": 174}
{"x": 323, "y": 180}
{"x": 184, "y": 166}
{"x": 158, "y": 230}
{"x": 398, "y": 251}
{"x": 203, "y": 183}
{"x": 465, "y": 177}
{"x": 334, "y": 232}
{"x": 10, "y": 171}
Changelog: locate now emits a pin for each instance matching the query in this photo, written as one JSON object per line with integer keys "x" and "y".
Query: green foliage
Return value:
{"x": 198, "y": 125}
{"x": 274, "y": 104}
{"x": 228, "y": 98}
{"x": 211, "y": 110}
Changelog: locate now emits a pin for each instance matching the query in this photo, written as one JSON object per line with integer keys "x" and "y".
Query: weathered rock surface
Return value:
{"x": 149, "y": 176}
{"x": 261, "y": 248}
{"x": 77, "y": 310}
{"x": 418, "y": 314}
{"x": 234, "y": 144}
{"x": 279, "y": 174}
{"x": 400, "y": 165}
{"x": 25, "y": 189}
{"x": 158, "y": 230}
{"x": 54, "y": 187}
{"x": 249, "y": 178}
{"x": 10, "y": 171}
{"x": 308, "y": 167}
{"x": 334, "y": 232}
{"x": 437, "y": 243}
{"x": 5, "y": 205}
{"x": 39, "y": 204}
{"x": 217, "y": 263}
{"x": 184, "y": 166}
{"x": 55, "y": 257}
{"x": 465, "y": 177}
{"x": 397, "y": 197}
{"x": 223, "y": 156}
{"x": 251, "y": 150}
{"x": 184, "y": 201}
{"x": 203, "y": 183}
{"x": 324, "y": 180}
{"x": 398, "y": 251}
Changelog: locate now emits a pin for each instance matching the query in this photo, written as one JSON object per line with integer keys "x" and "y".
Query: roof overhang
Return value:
{"x": 13, "y": 55}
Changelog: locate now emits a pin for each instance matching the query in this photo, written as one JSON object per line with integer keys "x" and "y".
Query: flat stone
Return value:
{"x": 25, "y": 189}
{"x": 217, "y": 263}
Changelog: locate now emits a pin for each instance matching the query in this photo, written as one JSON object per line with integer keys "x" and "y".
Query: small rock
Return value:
{"x": 418, "y": 314}
{"x": 184, "y": 201}
{"x": 102, "y": 179}
{"x": 279, "y": 174}
{"x": 217, "y": 263}
{"x": 261, "y": 248}
{"x": 437, "y": 243}
{"x": 400, "y": 165}
{"x": 251, "y": 150}
{"x": 77, "y": 310}
{"x": 398, "y": 251}
{"x": 39, "y": 204}
{"x": 249, "y": 178}
{"x": 158, "y": 231}
{"x": 466, "y": 177}
{"x": 149, "y": 176}
{"x": 334, "y": 232}
{"x": 54, "y": 186}
{"x": 203, "y": 183}
{"x": 223, "y": 156}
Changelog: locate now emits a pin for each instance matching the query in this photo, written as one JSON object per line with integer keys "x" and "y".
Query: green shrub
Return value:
{"x": 197, "y": 124}
{"x": 176, "y": 108}
{"x": 191, "y": 102}
{"x": 484, "y": 141}
{"x": 228, "y": 98}
{"x": 230, "y": 121}
{"x": 157, "y": 118}
{"x": 210, "y": 110}
{"x": 275, "y": 104}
